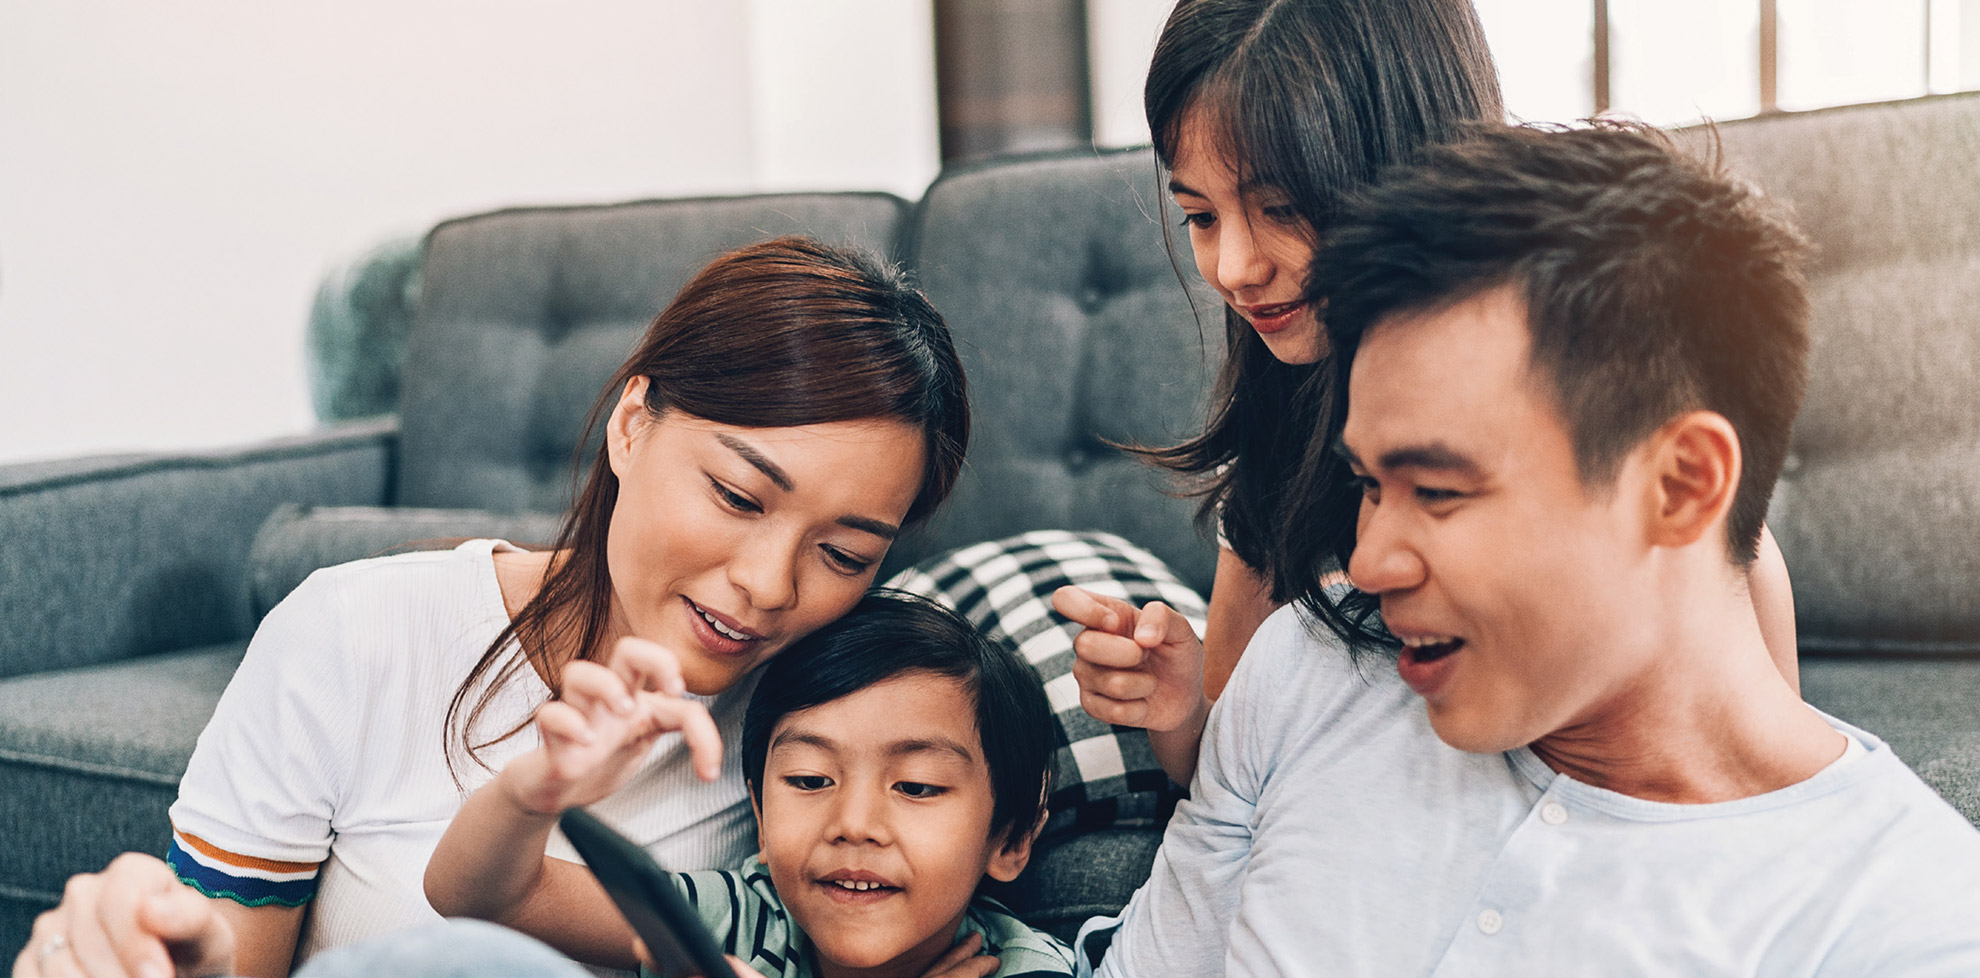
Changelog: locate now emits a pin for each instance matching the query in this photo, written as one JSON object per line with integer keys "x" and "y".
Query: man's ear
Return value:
{"x": 1695, "y": 461}
{"x": 625, "y": 421}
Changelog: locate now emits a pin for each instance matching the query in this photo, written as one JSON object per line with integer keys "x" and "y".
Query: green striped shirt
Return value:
{"x": 742, "y": 910}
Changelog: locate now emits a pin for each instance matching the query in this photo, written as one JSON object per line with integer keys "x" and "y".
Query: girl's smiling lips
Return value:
{"x": 718, "y": 632}
{"x": 1273, "y": 317}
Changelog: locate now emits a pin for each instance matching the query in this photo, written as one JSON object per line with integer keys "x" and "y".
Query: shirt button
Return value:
{"x": 1490, "y": 922}
{"x": 1553, "y": 813}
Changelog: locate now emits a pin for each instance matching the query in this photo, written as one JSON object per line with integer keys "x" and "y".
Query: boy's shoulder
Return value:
{"x": 740, "y": 907}
{"x": 1024, "y": 951}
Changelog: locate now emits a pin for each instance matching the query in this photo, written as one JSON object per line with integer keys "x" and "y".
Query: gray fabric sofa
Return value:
{"x": 129, "y": 585}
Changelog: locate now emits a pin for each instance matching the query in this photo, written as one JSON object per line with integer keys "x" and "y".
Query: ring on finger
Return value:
{"x": 49, "y": 948}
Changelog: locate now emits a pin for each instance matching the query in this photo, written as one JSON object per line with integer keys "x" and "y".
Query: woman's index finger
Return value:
{"x": 645, "y": 664}
{"x": 589, "y": 686}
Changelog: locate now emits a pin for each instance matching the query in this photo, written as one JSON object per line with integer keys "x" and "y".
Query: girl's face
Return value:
{"x": 727, "y": 544}
{"x": 1248, "y": 243}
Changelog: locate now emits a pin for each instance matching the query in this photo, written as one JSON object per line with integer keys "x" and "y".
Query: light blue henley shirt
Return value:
{"x": 1329, "y": 832}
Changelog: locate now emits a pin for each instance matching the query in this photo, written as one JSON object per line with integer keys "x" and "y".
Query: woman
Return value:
{"x": 1266, "y": 113}
{"x": 791, "y": 411}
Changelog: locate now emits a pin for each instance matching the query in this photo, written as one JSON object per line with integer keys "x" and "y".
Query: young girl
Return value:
{"x": 895, "y": 758}
{"x": 1266, "y": 114}
{"x": 792, "y": 410}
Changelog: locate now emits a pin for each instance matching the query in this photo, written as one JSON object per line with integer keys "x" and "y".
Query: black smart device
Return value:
{"x": 680, "y": 944}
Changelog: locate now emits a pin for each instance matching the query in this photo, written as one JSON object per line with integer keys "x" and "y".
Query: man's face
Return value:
{"x": 1512, "y": 585}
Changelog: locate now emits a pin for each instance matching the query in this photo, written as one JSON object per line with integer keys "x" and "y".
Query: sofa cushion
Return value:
{"x": 524, "y": 314}
{"x": 1103, "y": 776}
{"x": 91, "y": 759}
{"x": 105, "y": 559}
{"x": 1878, "y": 511}
{"x": 294, "y": 541}
{"x": 1078, "y": 336}
{"x": 1924, "y": 707}
{"x": 1080, "y": 875}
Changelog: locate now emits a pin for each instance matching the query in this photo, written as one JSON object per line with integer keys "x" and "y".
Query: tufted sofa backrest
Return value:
{"x": 1878, "y": 511}
{"x": 1075, "y": 331}
{"x": 525, "y": 313}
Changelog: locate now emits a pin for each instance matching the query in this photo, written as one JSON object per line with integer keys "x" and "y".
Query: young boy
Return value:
{"x": 895, "y": 758}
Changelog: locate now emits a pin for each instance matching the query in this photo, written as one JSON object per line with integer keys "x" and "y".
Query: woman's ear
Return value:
{"x": 1695, "y": 462}
{"x": 627, "y": 417}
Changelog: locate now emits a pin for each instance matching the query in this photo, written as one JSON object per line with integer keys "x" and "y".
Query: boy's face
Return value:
{"x": 874, "y": 817}
{"x": 1515, "y": 588}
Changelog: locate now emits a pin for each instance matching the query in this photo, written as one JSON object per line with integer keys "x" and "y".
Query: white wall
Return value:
{"x": 1121, "y": 38}
{"x": 175, "y": 178}
{"x": 844, "y": 95}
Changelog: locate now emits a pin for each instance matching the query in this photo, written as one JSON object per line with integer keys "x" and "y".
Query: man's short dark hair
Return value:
{"x": 892, "y": 633}
{"x": 1654, "y": 285}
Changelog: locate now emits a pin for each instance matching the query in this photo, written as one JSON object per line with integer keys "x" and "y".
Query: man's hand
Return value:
{"x": 598, "y": 733}
{"x": 133, "y": 920}
{"x": 1137, "y": 668}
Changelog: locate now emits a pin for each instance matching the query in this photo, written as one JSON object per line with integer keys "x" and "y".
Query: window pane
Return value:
{"x": 1675, "y": 61}
{"x": 1834, "y": 52}
{"x": 1545, "y": 50}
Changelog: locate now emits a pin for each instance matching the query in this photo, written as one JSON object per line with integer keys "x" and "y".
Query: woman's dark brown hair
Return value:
{"x": 1313, "y": 98}
{"x": 785, "y": 333}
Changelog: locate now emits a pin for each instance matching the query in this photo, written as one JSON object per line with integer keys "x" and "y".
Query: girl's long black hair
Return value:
{"x": 1314, "y": 98}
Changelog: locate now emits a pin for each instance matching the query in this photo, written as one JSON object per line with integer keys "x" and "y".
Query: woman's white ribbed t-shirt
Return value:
{"x": 329, "y": 747}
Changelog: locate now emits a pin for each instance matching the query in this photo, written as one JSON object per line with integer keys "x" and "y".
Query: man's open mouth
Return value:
{"x": 1430, "y": 648}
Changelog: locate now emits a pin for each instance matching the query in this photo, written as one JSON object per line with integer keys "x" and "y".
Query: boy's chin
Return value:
{"x": 856, "y": 946}
{"x": 862, "y": 952}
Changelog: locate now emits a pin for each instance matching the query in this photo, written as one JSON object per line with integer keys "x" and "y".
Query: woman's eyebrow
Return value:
{"x": 776, "y": 474}
{"x": 762, "y": 462}
{"x": 883, "y": 530}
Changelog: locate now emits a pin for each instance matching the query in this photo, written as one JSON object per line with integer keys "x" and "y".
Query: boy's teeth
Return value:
{"x": 856, "y": 885}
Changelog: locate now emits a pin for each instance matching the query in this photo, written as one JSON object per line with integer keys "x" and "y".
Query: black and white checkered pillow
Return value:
{"x": 1106, "y": 776}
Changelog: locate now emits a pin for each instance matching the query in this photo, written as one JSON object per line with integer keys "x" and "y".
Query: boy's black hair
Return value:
{"x": 890, "y": 633}
{"x": 1653, "y": 285}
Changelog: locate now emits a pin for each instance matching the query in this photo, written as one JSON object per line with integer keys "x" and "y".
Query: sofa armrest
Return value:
{"x": 118, "y": 556}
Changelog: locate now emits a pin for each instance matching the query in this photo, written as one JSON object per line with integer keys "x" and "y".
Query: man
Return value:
{"x": 1570, "y": 361}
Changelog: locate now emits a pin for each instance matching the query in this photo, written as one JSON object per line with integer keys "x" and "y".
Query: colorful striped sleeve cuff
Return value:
{"x": 246, "y": 880}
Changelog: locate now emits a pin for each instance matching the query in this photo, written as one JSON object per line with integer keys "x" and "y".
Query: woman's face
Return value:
{"x": 727, "y": 544}
{"x": 1249, "y": 244}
